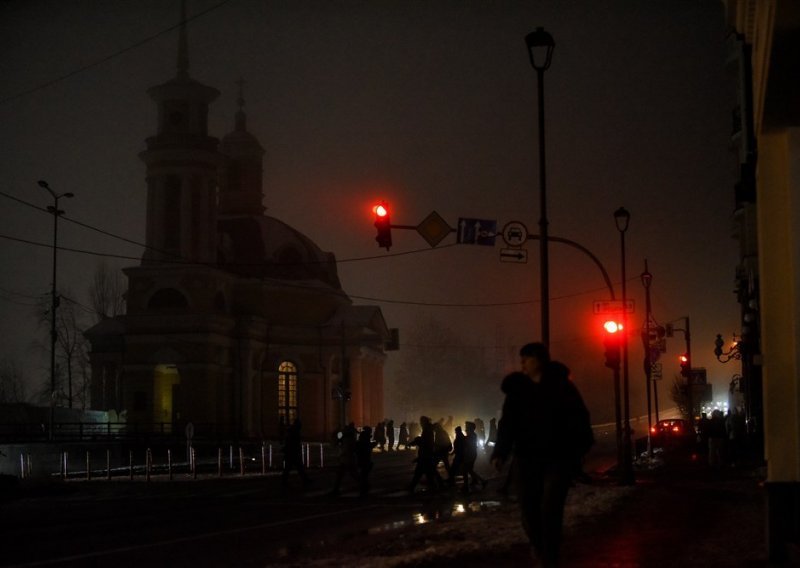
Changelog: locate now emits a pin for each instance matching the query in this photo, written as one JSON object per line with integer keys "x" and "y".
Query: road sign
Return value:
{"x": 477, "y": 231}
{"x": 655, "y": 372}
{"x": 515, "y": 234}
{"x": 513, "y": 255}
{"x": 608, "y": 307}
{"x": 433, "y": 229}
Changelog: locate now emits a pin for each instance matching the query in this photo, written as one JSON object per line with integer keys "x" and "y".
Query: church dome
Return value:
{"x": 265, "y": 247}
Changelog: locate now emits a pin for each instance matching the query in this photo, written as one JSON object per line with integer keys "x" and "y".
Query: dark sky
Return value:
{"x": 429, "y": 105}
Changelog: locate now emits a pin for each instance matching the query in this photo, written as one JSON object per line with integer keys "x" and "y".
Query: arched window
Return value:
{"x": 287, "y": 392}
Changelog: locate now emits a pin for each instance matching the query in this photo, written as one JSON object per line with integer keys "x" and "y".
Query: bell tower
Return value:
{"x": 182, "y": 168}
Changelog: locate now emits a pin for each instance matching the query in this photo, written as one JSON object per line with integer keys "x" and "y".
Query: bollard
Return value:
{"x": 270, "y": 456}
{"x": 169, "y": 464}
{"x": 22, "y": 466}
{"x": 108, "y": 464}
{"x": 147, "y": 460}
{"x": 130, "y": 463}
{"x": 263, "y": 459}
{"x": 88, "y": 466}
{"x": 230, "y": 457}
{"x": 219, "y": 462}
{"x": 308, "y": 455}
{"x": 241, "y": 461}
{"x": 194, "y": 461}
{"x": 321, "y": 457}
{"x": 66, "y": 464}
{"x": 28, "y": 469}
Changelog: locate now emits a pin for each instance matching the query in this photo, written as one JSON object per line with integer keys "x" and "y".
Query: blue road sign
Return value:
{"x": 477, "y": 231}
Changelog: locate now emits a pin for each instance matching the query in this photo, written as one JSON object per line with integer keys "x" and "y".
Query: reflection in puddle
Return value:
{"x": 443, "y": 511}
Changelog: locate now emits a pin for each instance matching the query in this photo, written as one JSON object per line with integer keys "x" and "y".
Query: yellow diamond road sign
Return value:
{"x": 433, "y": 229}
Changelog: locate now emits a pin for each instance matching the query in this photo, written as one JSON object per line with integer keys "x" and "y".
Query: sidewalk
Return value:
{"x": 682, "y": 514}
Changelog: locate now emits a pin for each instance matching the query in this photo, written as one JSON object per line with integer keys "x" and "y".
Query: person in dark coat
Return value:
{"x": 293, "y": 453}
{"x": 389, "y": 434}
{"x": 402, "y": 439}
{"x": 480, "y": 430}
{"x": 443, "y": 445}
{"x": 545, "y": 425}
{"x": 425, "y": 464}
{"x": 459, "y": 447}
{"x": 348, "y": 462}
{"x": 470, "y": 455}
{"x": 380, "y": 435}
{"x": 364, "y": 447}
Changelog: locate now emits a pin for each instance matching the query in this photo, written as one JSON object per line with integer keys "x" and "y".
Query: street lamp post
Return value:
{"x": 540, "y": 48}
{"x": 647, "y": 279}
{"x": 622, "y": 219}
{"x": 54, "y": 300}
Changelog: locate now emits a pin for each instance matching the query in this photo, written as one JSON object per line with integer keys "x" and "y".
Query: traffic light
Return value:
{"x": 383, "y": 224}
{"x": 685, "y": 364}
{"x": 611, "y": 342}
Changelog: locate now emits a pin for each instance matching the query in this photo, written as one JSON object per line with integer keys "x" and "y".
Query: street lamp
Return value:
{"x": 733, "y": 353}
{"x": 622, "y": 219}
{"x": 647, "y": 280}
{"x": 54, "y": 300}
{"x": 540, "y": 48}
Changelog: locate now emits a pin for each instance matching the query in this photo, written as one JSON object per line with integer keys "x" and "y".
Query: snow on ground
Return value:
{"x": 471, "y": 527}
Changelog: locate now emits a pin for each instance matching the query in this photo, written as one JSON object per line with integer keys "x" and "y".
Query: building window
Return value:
{"x": 287, "y": 393}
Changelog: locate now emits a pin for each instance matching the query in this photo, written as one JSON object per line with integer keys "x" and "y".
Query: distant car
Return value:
{"x": 672, "y": 433}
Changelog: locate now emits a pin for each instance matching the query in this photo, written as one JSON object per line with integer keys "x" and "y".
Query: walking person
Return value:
{"x": 470, "y": 455}
{"x": 480, "y": 430}
{"x": 348, "y": 462}
{"x": 443, "y": 445}
{"x": 456, "y": 468}
{"x": 389, "y": 434}
{"x": 293, "y": 454}
{"x": 425, "y": 464}
{"x": 363, "y": 453}
{"x": 402, "y": 439}
{"x": 545, "y": 425}
{"x": 380, "y": 436}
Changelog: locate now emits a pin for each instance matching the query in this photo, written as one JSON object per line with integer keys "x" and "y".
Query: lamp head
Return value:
{"x": 540, "y": 48}
{"x": 622, "y": 218}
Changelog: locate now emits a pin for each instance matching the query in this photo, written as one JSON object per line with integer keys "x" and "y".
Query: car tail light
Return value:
{"x": 653, "y": 430}
{"x": 676, "y": 428}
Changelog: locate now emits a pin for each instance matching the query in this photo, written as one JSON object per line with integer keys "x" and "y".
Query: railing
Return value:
{"x": 87, "y": 431}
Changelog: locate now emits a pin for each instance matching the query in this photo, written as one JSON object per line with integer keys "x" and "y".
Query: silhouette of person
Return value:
{"x": 492, "y": 437}
{"x": 402, "y": 439}
{"x": 470, "y": 455}
{"x": 545, "y": 424}
{"x": 442, "y": 447}
{"x": 380, "y": 436}
{"x": 363, "y": 453}
{"x": 347, "y": 458}
{"x": 389, "y": 434}
{"x": 293, "y": 453}
{"x": 425, "y": 464}
{"x": 480, "y": 430}
{"x": 459, "y": 447}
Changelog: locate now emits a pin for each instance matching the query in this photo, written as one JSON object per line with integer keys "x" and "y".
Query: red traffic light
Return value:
{"x": 381, "y": 209}
{"x": 611, "y": 342}
{"x": 383, "y": 225}
{"x": 683, "y": 358}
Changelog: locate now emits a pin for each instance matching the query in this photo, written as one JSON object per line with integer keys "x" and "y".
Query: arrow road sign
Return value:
{"x": 513, "y": 255}
{"x": 476, "y": 231}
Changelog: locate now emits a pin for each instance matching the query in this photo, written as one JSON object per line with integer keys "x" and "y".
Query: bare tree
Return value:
{"x": 107, "y": 292}
{"x": 12, "y": 381}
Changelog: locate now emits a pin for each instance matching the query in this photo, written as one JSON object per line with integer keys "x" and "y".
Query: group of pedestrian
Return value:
{"x": 721, "y": 437}
{"x": 434, "y": 447}
{"x": 544, "y": 431}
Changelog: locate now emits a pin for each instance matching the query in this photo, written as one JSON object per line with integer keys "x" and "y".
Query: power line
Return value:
{"x": 108, "y": 57}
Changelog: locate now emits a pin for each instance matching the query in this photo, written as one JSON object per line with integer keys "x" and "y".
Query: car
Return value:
{"x": 672, "y": 433}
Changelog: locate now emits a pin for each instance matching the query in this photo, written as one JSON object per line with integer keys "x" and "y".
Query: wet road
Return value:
{"x": 243, "y": 521}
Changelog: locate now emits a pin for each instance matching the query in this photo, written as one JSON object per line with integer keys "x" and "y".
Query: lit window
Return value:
{"x": 287, "y": 392}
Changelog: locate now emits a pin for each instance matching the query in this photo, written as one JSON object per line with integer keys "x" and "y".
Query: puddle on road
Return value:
{"x": 436, "y": 512}
{"x": 428, "y": 513}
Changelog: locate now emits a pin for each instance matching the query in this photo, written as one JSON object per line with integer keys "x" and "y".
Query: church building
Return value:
{"x": 236, "y": 322}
